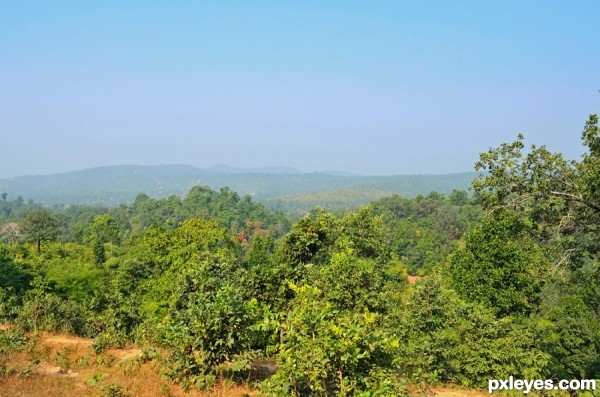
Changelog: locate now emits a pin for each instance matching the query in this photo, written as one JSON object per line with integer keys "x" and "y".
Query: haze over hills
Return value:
{"x": 226, "y": 169}
{"x": 279, "y": 188}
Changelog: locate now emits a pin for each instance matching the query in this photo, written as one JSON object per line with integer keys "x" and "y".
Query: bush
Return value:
{"x": 204, "y": 330}
{"x": 571, "y": 335}
{"x": 325, "y": 351}
{"x": 445, "y": 339}
{"x": 501, "y": 266}
{"x": 43, "y": 310}
{"x": 114, "y": 390}
{"x": 12, "y": 340}
{"x": 10, "y": 304}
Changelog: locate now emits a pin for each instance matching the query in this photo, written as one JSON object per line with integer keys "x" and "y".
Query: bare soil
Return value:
{"x": 455, "y": 392}
{"x": 66, "y": 366}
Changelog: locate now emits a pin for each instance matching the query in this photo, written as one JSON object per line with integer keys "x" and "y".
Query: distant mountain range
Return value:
{"x": 279, "y": 188}
{"x": 226, "y": 169}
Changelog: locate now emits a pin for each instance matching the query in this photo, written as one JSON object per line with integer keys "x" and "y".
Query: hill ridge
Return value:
{"x": 118, "y": 184}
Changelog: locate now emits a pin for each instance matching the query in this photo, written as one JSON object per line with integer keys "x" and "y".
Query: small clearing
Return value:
{"x": 414, "y": 279}
{"x": 58, "y": 340}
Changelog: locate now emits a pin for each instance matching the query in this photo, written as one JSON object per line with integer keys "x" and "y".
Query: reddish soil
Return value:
{"x": 414, "y": 279}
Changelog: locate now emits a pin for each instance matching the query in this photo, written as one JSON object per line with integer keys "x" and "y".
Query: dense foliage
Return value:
{"x": 222, "y": 288}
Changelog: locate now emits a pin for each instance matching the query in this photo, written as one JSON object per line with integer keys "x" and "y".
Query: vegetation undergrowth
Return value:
{"x": 219, "y": 290}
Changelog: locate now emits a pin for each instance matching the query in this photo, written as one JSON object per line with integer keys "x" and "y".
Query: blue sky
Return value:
{"x": 376, "y": 88}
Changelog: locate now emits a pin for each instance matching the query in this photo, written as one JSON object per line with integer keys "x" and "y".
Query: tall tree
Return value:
{"x": 561, "y": 197}
{"x": 103, "y": 230}
{"x": 501, "y": 266}
{"x": 39, "y": 226}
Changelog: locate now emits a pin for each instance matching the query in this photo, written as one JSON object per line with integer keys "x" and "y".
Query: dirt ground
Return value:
{"x": 66, "y": 366}
{"x": 451, "y": 392}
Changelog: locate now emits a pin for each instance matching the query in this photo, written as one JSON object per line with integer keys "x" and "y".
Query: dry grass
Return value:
{"x": 47, "y": 386}
{"x": 142, "y": 383}
{"x": 455, "y": 392}
{"x": 446, "y": 391}
{"x": 414, "y": 279}
{"x": 66, "y": 366}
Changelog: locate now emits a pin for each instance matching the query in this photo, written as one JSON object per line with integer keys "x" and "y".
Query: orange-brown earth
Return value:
{"x": 66, "y": 366}
{"x": 56, "y": 365}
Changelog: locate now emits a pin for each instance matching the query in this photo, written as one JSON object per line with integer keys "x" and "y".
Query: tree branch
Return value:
{"x": 591, "y": 204}
{"x": 564, "y": 258}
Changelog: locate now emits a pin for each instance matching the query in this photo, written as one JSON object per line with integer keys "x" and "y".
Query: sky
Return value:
{"x": 368, "y": 87}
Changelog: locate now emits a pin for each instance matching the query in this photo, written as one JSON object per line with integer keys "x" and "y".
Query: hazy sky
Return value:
{"x": 372, "y": 87}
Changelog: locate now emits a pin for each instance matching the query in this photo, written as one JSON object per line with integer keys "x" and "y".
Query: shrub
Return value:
{"x": 501, "y": 266}
{"x": 43, "y": 310}
{"x": 204, "y": 330}
{"x": 325, "y": 351}
{"x": 446, "y": 339}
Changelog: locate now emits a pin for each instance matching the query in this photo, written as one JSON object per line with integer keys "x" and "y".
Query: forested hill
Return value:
{"x": 287, "y": 190}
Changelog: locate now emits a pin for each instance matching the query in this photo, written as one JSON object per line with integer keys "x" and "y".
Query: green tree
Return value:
{"x": 194, "y": 301}
{"x": 443, "y": 338}
{"x": 103, "y": 230}
{"x": 458, "y": 197}
{"x": 562, "y": 197}
{"x": 40, "y": 226}
{"x": 311, "y": 239}
{"x": 354, "y": 284}
{"x": 197, "y": 243}
{"x": 560, "y": 200}
{"x": 571, "y": 335}
{"x": 501, "y": 266}
{"x": 364, "y": 231}
{"x": 326, "y": 351}
{"x": 207, "y": 330}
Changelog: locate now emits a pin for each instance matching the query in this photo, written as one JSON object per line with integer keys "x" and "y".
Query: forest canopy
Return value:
{"x": 435, "y": 289}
